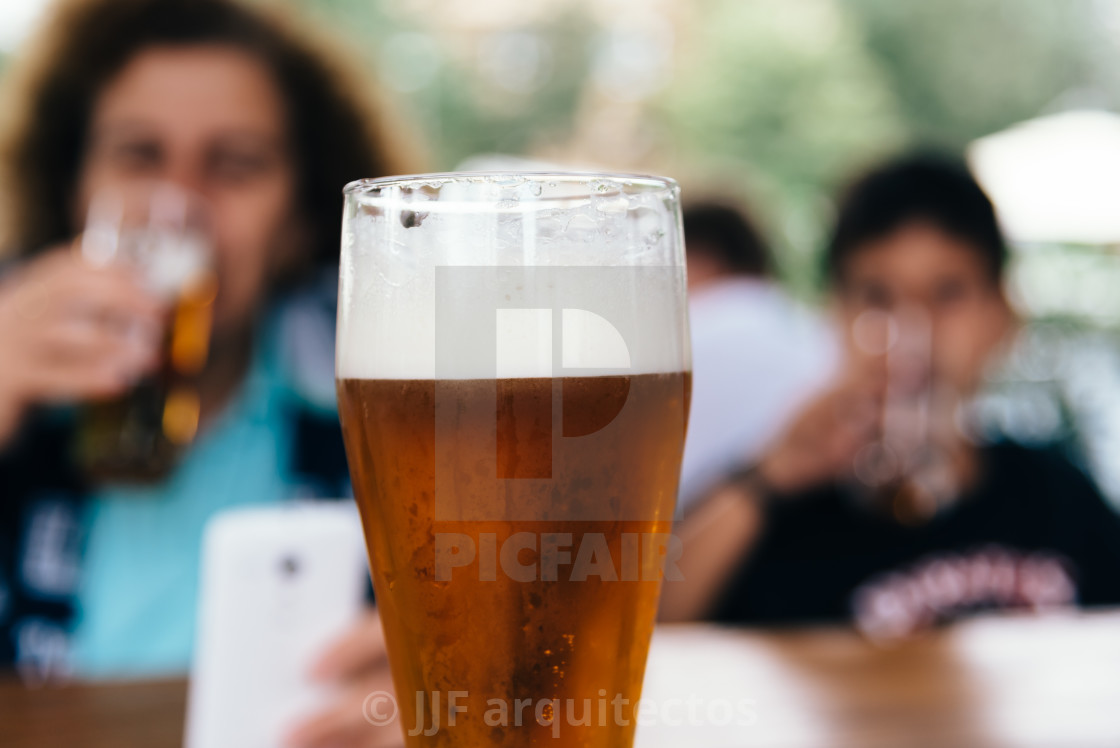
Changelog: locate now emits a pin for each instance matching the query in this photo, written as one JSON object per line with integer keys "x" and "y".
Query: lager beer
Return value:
{"x": 518, "y": 523}
{"x": 157, "y": 229}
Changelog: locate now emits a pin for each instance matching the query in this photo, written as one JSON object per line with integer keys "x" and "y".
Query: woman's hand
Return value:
{"x": 71, "y": 331}
{"x": 358, "y": 664}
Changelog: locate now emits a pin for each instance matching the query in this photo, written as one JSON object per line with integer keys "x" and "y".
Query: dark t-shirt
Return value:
{"x": 1035, "y": 533}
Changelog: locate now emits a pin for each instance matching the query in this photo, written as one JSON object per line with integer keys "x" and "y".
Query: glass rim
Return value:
{"x": 624, "y": 179}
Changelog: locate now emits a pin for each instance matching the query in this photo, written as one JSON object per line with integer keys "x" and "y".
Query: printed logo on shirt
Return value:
{"x": 944, "y": 586}
{"x": 42, "y": 650}
{"x": 51, "y": 547}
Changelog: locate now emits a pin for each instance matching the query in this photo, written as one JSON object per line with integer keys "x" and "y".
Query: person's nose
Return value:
{"x": 186, "y": 174}
{"x": 912, "y": 352}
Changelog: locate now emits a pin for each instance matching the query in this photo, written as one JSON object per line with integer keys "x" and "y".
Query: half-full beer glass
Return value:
{"x": 161, "y": 232}
{"x": 513, "y": 376}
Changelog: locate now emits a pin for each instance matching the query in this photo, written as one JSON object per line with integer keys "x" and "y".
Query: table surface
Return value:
{"x": 1048, "y": 682}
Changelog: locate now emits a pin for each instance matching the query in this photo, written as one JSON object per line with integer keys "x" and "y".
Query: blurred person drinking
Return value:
{"x": 756, "y": 354}
{"x": 229, "y": 103}
{"x": 879, "y": 505}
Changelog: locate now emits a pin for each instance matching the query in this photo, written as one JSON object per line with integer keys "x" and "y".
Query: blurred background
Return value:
{"x": 778, "y": 101}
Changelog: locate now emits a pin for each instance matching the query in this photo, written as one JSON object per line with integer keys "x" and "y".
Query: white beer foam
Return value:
{"x": 579, "y": 313}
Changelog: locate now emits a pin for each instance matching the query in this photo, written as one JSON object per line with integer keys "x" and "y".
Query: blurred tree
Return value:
{"x": 800, "y": 93}
{"x": 960, "y": 69}
{"x": 785, "y": 89}
{"x": 785, "y": 85}
{"x": 471, "y": 90}
{"x": 497, "y": 105}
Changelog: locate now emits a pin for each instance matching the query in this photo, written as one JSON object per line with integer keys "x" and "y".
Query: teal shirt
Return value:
{"x": 139, "y": 583}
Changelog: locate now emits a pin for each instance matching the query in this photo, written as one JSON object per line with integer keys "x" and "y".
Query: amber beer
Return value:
{"x": 139, "y": 436}
{"x": 581, "y": 642}
{"x": 161, "y": 232}
{"x": 513, "y": 378}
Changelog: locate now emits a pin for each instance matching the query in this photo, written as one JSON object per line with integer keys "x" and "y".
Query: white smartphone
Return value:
{"x": 278, "y": 584}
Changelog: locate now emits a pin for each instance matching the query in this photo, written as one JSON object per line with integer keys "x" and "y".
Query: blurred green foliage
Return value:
{"x": 803, "y": 93}
{"x": 459, "y": 109}
{"x": 959, "y": 69}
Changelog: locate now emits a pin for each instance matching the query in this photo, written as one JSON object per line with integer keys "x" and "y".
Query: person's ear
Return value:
{"x": 1005, "y": 321}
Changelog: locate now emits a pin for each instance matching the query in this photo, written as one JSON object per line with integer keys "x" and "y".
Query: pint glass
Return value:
{"x": 513, "y": 375}
{"x": 160, "y": 231}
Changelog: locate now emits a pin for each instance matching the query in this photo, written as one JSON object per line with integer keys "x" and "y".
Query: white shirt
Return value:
{"x": 756, "y": 357}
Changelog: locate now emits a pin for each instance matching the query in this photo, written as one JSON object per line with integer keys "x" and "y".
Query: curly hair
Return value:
{"x": 339, "y": 130}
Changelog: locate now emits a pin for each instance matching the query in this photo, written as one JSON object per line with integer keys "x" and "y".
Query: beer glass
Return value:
{"x": 513, "y": 375}
{"x": 159, "y": 230}
{"x": 909, "y": 468}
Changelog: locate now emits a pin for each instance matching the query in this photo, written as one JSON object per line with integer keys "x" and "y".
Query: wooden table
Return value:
{"x": 1050, "y": 682}
{"x": 145, "y": 714}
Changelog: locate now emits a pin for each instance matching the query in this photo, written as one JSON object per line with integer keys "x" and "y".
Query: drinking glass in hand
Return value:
{"x": 160, "y": 231}
{"x": 513, "y": 375}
